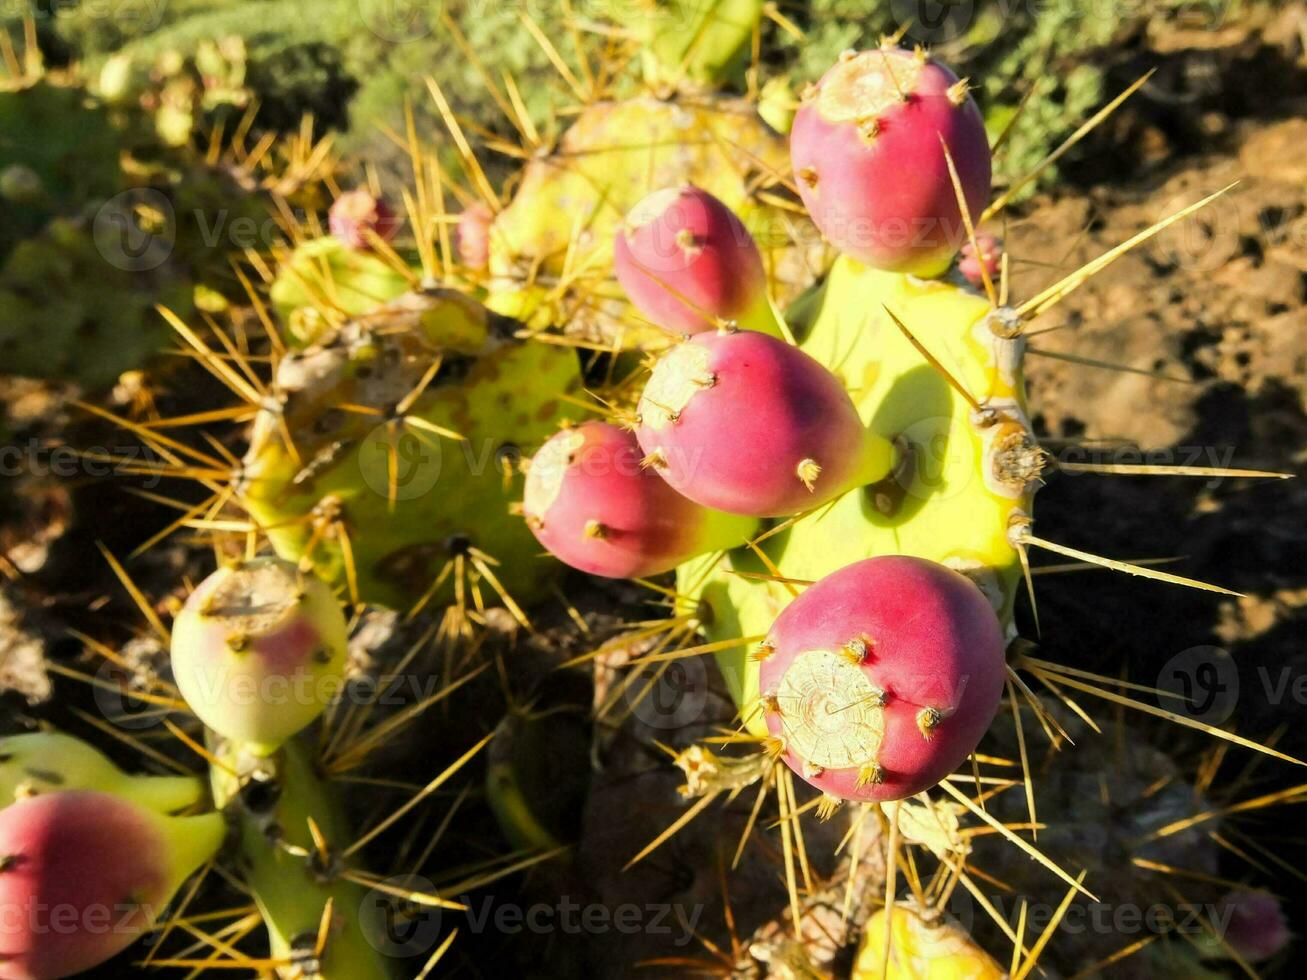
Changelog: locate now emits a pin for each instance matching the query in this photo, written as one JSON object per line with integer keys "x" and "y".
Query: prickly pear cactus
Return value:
{"x": 551, "y": 247}
{"x": 962, "y": 476}
{"x": 406, "y": 427}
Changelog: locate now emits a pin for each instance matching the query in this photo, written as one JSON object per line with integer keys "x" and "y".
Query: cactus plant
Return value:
{"x": 382, "y": 458}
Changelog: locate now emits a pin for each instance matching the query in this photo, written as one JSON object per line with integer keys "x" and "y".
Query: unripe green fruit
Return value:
{"x": 258, "y": 651}
{"x": 45, "y": 762}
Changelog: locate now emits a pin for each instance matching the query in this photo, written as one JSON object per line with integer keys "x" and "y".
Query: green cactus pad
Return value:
{"x": 704, "y": 42}
{"x": 443, "y": 496}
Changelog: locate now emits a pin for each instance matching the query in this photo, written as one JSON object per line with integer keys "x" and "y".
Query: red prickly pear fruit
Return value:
{"x": 880, "y": 679}
{"x": 689, "y": 264}
{"x": 472, "y": 235}
{"x": 748, "y": 424}
{"x": 1256, "y": 927}
{"x": 357, "y": 212}
{"x": 258, "y": 651}
{"x": 868, "y": 153}
{"x": 987, "y": 255}
{"x": 83, "y": 874}
{"x": 591, "y": 502}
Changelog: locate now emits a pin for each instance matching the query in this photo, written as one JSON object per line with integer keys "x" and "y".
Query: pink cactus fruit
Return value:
{"x": 356, "y": 213}
{"x": 1256, "y": 927}
{"x": 472, "y": 235}
{"x": 83, "y": 874}
{"x": 689, "y": 264}
{"x": 987, "y": 254}
{"x": 594, "y": 506}
{"x": 868, "y": 153}
{"x": 258, "y": 651}
{"x": 880, "y": 679}
{"x": 746, "y": 423}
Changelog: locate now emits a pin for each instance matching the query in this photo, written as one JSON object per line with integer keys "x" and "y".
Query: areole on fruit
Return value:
{"x": 748, "y": 424}
{"x": 258, "y": 650}
{"x": 83, "y": 874}
{"x": 592, "y": 503}
{"x": 881, "y": 678}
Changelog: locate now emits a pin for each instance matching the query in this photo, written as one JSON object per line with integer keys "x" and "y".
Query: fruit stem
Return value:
{"x": 162, "y": 794}
{"x": 194, "y": 841}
